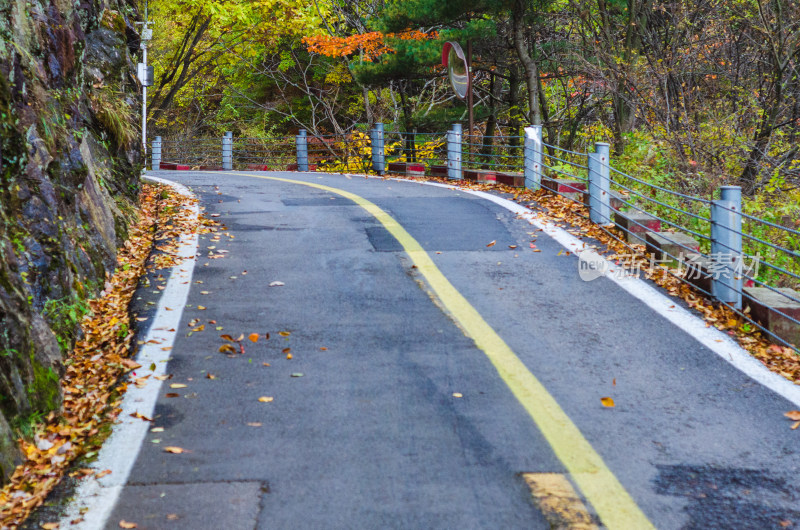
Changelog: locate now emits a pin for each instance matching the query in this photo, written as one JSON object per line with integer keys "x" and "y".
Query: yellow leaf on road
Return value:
{"x": 607, "y": 402}
{"x": 265, "y": 399}
{"x": 227, "y": 348}
{"x": 174, "y": 450}
{"x": 253, "y": 337}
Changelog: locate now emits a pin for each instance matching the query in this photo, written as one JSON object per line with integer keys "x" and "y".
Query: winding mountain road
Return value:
{"x": 436, "y": 380}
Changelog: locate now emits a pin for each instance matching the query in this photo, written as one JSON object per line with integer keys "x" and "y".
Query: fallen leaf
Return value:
{"x": 266, "y": 364}
{"x": 201, "y": 308}
{"x": 125, "y": 524}
{"x": 210, "y": 376}
{"x": 458, "y": 395}
{"x": 141, "y": 416}
{"x": 276, "y": 284}
{"x": 795, "y": 425}
{"x": 614, "y": 382}
{"x": 172, "y": 517}
{"x": 289, "y": 356}
{"x": 265, "y": 399}
{"x": 492, "y": 243}
{"x": 157, "y": 429}
{"x": 49, "y": 526}
{"x": 177, "y": 385}
{"x": 607, "y": 402}
{"x": 254, "y": 424}
{"x": 253, "y": 337}
{"x": 174, "y": 450}
{"x": 297, "y": 374}
{"x": 286, "y": 350}
{"x": 130, "y": 364}
{"x": 227, "y": 348}
{"x": 323, "y": 348}
{"x": 512, "y": 247}
{"x": 284, "y": 333}
{"x": 172, "y": 395}
{"x": 793, "y": 415}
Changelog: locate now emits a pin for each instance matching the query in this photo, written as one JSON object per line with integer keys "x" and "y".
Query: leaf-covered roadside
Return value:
{"x": 574, "y": 217}
{"x": 92, "y": 384}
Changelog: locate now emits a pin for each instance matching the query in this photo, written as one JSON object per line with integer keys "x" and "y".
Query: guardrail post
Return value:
{"x": 227, "y": 151}
{"x": 378, "y": 158}
{"x": 301, "y": 140}
{"x": 599, "y": 184}
{"x": 454, "y": 152}
{"x": 532, "y": 156}
{"x": 726, "y": 246}
{"x": 155, "y": 152}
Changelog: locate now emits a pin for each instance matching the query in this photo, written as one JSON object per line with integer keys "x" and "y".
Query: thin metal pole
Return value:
{"x": 227, "y": 151}
{"x": 378, "y": 161}
{"x": 155, "y": 164}
{"x": 726, "y": 246}
{"x": 144, "y": 102}
{"x": 454, "y": 152}
{"x": 532, "y": 151}
{"x": 599, "y": 184}
{"x": 470, "y": 101}
{"x": 301, "y": 141}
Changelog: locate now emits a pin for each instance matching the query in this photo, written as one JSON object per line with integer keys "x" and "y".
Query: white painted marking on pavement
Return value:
{"x": 120, "y": 450}
{"x": 710, "y": 337}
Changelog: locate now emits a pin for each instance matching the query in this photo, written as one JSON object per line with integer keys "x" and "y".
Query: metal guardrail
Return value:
{"x": 723, "y": 239}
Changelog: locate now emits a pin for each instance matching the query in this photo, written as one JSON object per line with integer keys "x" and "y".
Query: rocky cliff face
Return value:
{"x": 69, "y": 174}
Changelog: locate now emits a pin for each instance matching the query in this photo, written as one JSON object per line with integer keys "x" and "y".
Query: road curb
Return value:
{"x": 120, "y": 450}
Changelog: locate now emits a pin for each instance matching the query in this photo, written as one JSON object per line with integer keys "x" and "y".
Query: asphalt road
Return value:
{"x": 371, "y": 434}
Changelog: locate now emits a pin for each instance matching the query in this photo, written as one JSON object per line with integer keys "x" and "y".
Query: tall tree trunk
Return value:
{"x": 530, "y": 66}
{"x": 367, "y": 107}
{"x": 409, "y": 138}
{"x": 513, "y": 104}
{"x": 495, "y": 90}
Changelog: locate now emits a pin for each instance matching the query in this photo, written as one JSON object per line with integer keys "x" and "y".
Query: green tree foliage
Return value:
{"x": 710, "y": 86}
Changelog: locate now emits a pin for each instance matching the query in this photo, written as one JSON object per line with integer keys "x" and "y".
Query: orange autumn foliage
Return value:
{"x": 371, "y": 45}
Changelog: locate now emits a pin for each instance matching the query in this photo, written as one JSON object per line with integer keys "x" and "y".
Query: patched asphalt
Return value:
{"x": 371, "y": 436}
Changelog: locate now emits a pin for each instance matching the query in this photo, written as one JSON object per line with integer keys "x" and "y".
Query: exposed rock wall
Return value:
{"x": 68, "y": 182}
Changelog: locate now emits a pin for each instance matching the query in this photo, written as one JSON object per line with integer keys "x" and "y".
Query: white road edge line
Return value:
{"x": 97, "y": 497}
{"x": 710, "y": 337}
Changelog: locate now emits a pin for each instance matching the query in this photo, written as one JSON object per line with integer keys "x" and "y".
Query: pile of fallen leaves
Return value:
{"x": 92, "y": 384}
{"x": 574, "y": 217}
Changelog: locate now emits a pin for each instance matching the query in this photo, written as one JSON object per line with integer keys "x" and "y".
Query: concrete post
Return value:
{"x": 532, "y": 155}
{"x": 301, "y": 140}
{"x": 726, "y": 246}
{"x": 155, "y": 163}
{"x": 454, "y": 152}
{"x": 227, "y": 151}
{"x": 599, "y": 184}
{"x": 378, "y": 159}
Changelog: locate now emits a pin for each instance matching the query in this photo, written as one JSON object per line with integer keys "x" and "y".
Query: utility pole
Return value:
{"x": 145, "y": 75}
